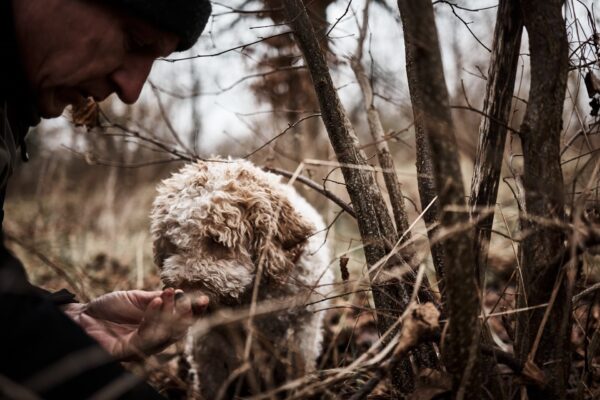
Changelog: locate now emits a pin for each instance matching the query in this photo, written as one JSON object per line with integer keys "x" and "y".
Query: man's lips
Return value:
{"x": 78, "y": 96}
{"x": 97, "y": 97}
{"x": 70, "y": 96}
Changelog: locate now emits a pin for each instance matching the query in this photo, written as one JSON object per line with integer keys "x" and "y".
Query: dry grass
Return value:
{"x": 98, "y": 234}
{"x": 86, "y": 228}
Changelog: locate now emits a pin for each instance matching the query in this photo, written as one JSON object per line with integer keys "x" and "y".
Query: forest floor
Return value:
{"x": 96, "y": 241}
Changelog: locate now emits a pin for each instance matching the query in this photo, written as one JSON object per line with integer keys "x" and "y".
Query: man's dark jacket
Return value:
{"x": 16, "y": 115}
{"x": 43, "y": 354}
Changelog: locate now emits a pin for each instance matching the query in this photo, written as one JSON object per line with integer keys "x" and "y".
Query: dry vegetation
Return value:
{"x": 511, "y": 263}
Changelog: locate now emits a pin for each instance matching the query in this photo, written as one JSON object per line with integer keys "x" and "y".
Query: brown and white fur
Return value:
{"x": 215, "y": 225}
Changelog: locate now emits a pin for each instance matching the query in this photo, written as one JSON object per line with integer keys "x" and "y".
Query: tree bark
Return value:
{"x": 377, "y": 230}
{"x": 543, "y": 246}
{"x": 427, "y": 189}
{"x": 427, "y": 195}
{"x": 492, "y": 132}
{"x": 425, "y": 355}
{"x": 502, "y": 73}
{"x": 432, "y": 116}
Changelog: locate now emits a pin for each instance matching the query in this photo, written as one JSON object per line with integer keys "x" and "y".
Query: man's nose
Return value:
{"x": 130, "y": 78}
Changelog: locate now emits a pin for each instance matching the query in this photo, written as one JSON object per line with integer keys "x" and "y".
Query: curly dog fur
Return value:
{"x": 216, "y": 226}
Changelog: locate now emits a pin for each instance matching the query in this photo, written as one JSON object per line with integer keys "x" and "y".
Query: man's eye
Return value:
{"x": 214, "y": 244}
{"x": 135, "y": 43}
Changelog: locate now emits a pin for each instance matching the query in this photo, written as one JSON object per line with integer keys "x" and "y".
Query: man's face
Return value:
{"x": 74, "y": 49}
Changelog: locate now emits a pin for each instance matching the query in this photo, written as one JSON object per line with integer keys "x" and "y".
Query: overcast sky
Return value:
{"x": 221, "y": 113}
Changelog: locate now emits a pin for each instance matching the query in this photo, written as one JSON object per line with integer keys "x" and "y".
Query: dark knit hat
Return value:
{"x": 185, "y": 18}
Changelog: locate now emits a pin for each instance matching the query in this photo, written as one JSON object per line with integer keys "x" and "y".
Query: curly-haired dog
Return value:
{"x": 224, "y": 227}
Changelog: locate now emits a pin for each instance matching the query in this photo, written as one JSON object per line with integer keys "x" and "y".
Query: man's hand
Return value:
{"x": 135, "y": 323}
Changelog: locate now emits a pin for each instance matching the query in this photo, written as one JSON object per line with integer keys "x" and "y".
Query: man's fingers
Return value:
{"x": 160, "y": 321}
{"x": 152, "y": 324}
{"x": 183, "y": 316}
{"x": 168, "y": 298}
{"x": 186, "y": 303}
{"x": 142, "y": 298}
{"x": 167, "y": 318}
{"x": 152, "y": 314}
{"x": 183, "y": 305}
{"x": 199, "y": 305}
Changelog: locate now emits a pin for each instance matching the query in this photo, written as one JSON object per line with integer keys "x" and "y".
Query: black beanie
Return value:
{"x": 185, "y": 18}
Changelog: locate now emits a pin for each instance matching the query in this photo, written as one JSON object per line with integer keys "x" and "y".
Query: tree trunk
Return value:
{"x": 427, "y": 191}
{"x": 425, "y": 355}
{"x": 543, "y": 245}
{"x": 377, "y": 230}
{"x": 502, "y": 72}
{"x": 432, "y": 116}
{"x": 492, "y": 132}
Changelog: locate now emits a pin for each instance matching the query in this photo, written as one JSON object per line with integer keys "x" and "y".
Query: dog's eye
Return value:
{"x": 164, "y": 249}
{"x": 290, "y": 244}
{"x": 215, "y": 241}
{"x": 171, "y": 247}
{"x": 214, "y": 244}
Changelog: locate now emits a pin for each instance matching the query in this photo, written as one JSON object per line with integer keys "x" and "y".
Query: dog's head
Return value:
{"x": 214, "y": 224}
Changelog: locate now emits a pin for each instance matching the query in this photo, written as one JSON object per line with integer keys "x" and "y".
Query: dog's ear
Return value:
{"x": 199, "y": 173}
{"x": 157, "y": 229}
{"x": 281, "y": 240}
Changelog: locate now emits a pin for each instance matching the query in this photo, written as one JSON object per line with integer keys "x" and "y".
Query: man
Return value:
{"x": 56, "y": 53}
